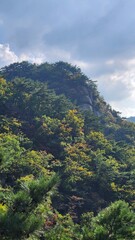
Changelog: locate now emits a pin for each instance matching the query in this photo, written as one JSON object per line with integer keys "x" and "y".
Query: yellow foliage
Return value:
{"x": 114, "y": 186}
{"x": 16, "y": 122}
{"x": 2, "y": 82}
{"x": 3, "y": 208}
{"x": 27, "y": 178}
{"x": 27, "y": 96}
{"x": 2, "y": 86}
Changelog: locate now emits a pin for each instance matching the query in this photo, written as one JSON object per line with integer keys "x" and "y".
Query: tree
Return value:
{"x": 116, "y": 222}
{"x": 25, "y": 186}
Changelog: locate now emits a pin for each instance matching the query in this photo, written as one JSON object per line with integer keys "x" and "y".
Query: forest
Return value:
{"x": 67, "y": 159}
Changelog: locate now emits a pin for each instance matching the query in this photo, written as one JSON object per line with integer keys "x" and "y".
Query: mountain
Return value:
{"x": 67, "y": 159}
{"x": 131, "y": 119}
{"x": 64, "y": 79}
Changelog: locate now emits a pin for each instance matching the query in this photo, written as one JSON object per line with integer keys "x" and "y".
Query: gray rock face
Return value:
{"x": 86, "y": 106}
{"x": 85, "y": 100}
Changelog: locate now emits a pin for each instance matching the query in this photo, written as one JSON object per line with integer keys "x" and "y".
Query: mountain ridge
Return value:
{"x": 64, "y": 79}
{"x": 131, "y": 119}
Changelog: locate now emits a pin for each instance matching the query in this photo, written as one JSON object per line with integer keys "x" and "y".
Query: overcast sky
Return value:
{"x": 96, "y": 35}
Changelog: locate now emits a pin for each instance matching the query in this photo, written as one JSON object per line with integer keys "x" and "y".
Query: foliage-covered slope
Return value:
{"x": 62, "y": 159}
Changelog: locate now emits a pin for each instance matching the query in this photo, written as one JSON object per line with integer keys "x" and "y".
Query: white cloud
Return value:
{"x": 118, "y": 87}
{"x": 39, "y": 58}
{"x": 6, "y": 55}
{"x": 125, "y": 107}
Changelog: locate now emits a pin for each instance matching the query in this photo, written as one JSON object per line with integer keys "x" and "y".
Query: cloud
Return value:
{"x": 89, "y": 31}
{"x": 119, "y": 88}
{"x": 6, "y": 55}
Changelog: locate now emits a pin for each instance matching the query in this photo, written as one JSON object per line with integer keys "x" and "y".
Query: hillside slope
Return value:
{"x": 67, "y": 159}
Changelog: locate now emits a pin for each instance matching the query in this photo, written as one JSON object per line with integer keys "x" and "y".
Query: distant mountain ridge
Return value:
{"x": 131, "y": 119}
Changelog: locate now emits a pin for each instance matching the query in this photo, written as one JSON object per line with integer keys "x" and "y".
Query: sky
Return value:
{"x": 96, "y": 35}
